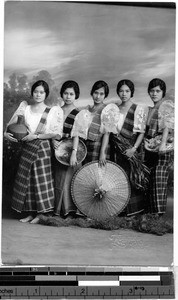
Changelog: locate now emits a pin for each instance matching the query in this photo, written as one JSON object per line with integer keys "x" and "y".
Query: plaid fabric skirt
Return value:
{"x": 93, "y": 150}
{"x": 34, "y": 186}
{"x": 160, "y": 166}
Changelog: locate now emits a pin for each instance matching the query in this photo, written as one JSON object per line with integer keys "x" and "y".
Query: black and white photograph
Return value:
{"x": 88, "y": 133}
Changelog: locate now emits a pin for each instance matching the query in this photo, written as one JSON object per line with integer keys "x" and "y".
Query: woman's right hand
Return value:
{"x": 9, "y": 136}
{"x": 55, "y": 144}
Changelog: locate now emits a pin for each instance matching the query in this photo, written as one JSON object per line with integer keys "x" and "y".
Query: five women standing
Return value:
{"x": 34, "y": 186}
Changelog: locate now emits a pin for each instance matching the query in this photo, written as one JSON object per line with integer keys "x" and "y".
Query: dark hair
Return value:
{"x": 70, "y": 84}
{"x": 127, "y": 82}
{"x": 40, "y": 83}
{"x": 98, "y": 85}
{"x": 157, "y": 82}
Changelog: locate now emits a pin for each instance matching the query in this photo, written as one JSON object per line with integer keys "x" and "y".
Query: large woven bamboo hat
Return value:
{"x": 100, "y": 192}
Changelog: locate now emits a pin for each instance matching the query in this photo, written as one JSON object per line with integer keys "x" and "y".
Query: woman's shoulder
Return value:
{"x": 24, "y": 103}
{"x": 142, "y": 107}
{"x": 111, "y": 106}
{"x": 166, "y": 104}
{"x": 74, "y": 112}
{"x": 166, "y": 109}
{"x": 22, "y": 106}
{"x": 86, "y": 107}
{"x": 55, "y": 109}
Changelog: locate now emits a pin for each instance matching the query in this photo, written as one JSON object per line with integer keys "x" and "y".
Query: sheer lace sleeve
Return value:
{"x": 81, "y": 124}
{"x": 166, "y": 115}
{"x": 140, "y": 118}
{"x": 110, "y": 116}
{"x": 19, "y": 111}
{"x": 55, "y": 121}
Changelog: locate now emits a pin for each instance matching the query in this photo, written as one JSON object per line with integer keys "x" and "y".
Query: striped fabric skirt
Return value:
{"x": 160, "y": 166}
{"x": 34, "y": 186}
{"x": 62, "y": 187}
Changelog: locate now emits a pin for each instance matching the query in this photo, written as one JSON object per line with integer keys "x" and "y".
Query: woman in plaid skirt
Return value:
{"x": 126, "y": 145}
{"x": 34, "y": 187}
{"x": 97, "y": 142}
{"x": 160, "y": 122}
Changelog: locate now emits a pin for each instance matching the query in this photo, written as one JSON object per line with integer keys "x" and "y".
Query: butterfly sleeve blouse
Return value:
{"x": 54, "y": 121}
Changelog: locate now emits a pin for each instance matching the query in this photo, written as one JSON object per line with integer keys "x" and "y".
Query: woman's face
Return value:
{"x": 124, "y": 93}
{"x": 98, "y": 96}
{"x": 68, "y": 96}
{"x": 39, "y": 94}
{"x": 156, "y": 94}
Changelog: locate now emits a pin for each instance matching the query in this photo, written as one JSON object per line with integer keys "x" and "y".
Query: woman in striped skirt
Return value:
{"x": 64, "y": 205}
{"x": 34, "y": 187}
{"x": 160, "y": 122}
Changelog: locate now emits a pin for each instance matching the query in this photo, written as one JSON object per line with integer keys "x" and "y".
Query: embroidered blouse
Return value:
{"x": 116, "y": 122}
{"x": 87, "y": 123}
{"x": 163, "y": 116}
{"x": 54, "y": 121}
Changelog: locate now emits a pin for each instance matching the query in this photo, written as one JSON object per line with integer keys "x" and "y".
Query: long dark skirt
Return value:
{"x": 137, "y": 199}
{"x": 63, "y": 198}
{"x": 157, "y": 193}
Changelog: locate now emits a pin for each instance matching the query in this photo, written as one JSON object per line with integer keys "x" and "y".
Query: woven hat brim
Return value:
{"x": 90, "y": 178}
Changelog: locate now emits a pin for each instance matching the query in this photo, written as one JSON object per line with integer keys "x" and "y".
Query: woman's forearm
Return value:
{"x": 139, "y": 140}
{"x": 105, "y": 142}
{"x": 164, "y": 136}
{"x": 75, "y": 143}
{"x": 46, "y": 136}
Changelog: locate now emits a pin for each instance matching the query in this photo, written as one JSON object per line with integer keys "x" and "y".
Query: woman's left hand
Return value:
{"x": 73, "y": 159}
{"x": 130, "y": 152}
{"x": 29, "y": 137}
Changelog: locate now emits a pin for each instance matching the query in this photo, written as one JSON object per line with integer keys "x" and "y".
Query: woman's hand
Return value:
{"x": 130, "y": 152}
{"x": 29, "y": 137}
{"x": 10, "y": 137}
{"x": 73, "y": 159}
{"x": 55, "y": 144}
{"x": 162, "y": 147}
{"x": 102, "y": 159}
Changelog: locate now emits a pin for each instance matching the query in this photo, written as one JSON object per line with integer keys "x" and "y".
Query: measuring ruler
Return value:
{"x": 85, "y": 283}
